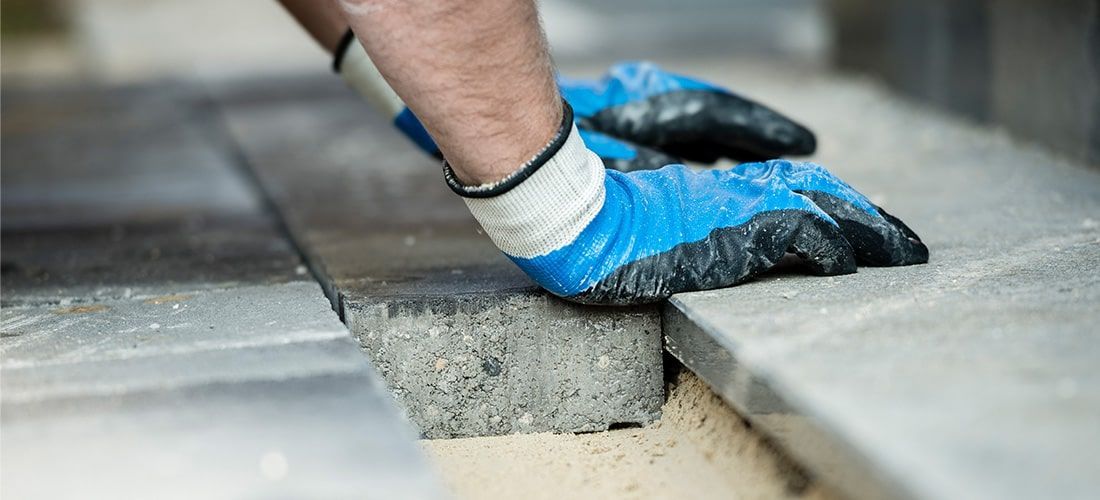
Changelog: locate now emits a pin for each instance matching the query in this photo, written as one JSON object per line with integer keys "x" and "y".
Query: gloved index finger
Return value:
{"x": 682, "y": 116}
{"x": 878, "y": 238}
{"x": 705, "y": 126}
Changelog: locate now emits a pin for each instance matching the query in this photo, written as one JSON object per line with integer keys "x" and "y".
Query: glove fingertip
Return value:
{"x": 823, "y": 249}
{"x": 805, "y": 142}
{"x": 913, "y": 250}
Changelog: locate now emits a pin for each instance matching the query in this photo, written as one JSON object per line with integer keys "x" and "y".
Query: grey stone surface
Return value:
{"x": 128, "y": 344}
{"x": 246, "y": 392}
{"x": 103, "y": 262}
{"x": 974, "y": 376}
{"x": 323, "y": 436}
{"x": 112, "y": 193}
{"x": 467, "y": 343}
{"x": 483, "y": 364}
{"x": 165, "y": 324}
{"x": 195, "y": 366}
{"x": 159, "y": 337}
{"x": 83, "y": 157}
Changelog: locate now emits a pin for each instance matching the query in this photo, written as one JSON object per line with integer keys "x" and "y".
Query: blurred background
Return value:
{"x": 127, "y": 40}
{"x": 1028, "y": 65}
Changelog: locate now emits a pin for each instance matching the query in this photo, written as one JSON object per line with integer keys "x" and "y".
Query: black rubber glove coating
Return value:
{"x": 877, "y": 241}
{"x": 728, "y": 256}
{"x": 705, "y": 126}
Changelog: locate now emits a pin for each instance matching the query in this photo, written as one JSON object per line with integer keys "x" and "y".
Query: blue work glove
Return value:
{"x": 600, "y": 236}
{"x": 637, "y": 117}
{"x": 681, "y": 117}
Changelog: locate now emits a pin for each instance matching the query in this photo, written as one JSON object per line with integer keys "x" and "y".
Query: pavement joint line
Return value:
{"x": 238, "y": 158}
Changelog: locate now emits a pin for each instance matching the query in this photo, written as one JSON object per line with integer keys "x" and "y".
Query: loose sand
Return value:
{"x": 700, "y": 449}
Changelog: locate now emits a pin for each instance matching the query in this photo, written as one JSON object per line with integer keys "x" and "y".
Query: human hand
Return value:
{"x": 599, "y": 236}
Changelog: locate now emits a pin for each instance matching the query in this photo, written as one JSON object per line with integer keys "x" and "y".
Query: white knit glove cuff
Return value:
{"x": 545, "y": 204}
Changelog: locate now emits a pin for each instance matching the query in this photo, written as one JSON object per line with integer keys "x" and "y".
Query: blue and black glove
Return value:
{"x": 669, "y": 118}
{"x": 600, "y": 236}
{"x": 637, "y": 117}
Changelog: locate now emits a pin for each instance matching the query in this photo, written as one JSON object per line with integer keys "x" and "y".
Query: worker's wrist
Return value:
{"x": 545, "y": 203}
{"x": 510, "y": 181}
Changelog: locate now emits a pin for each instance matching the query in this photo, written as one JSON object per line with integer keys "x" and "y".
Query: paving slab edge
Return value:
{"x": 238, "y": 157}
{"x": 336, "y": 290}
{"x": 808, "y": 438}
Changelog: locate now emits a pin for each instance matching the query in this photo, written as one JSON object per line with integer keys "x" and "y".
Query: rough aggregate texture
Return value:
{"x": 498, "y": 364}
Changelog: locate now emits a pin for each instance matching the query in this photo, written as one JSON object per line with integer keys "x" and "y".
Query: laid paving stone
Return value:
{"x": 322, "y": 436}
{"x": 251, "y": 391}
{"x": 144, "y": 332}
{"x": 163, "y": 324}
{"x": 974, "y": 376}
{"x": 159, "y": 336}
{"x": 159, "y": 371}
{"x": 110, "y": 193}
{"x": 467, "y": 344}
{"x": 52, "y": 266}
{"x": 482, "y": 364}
{"x": 85, "y": 157}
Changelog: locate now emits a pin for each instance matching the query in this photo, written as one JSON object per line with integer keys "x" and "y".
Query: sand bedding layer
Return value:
{"x": 700, "y": 449}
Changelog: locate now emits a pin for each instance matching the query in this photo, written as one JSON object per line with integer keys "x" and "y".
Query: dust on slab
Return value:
{"x": 167, "y": 299}
{"x": 699, "y": 449}
{"x": 82, "y": 309}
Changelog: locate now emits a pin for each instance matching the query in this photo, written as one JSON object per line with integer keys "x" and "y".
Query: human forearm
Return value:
{"x": 476, "y": 72}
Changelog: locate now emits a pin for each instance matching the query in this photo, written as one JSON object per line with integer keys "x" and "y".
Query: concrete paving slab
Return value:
{"x": 111, "y": 193}
{"x": 85, "y": 157}
{"x": 467, "y": 343}
{"x": 109, "y": 347}
{"x": 502, "y": 363}
{"x": 71, "y": 265}
{"x": 322, "y": 436}
{"x": 247, "y": 392}
{"x": 168, "y": 324}
{"x": 109, "y": 377}
{"x": 159, "y": 336}
{"x": 974, "y": 376}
